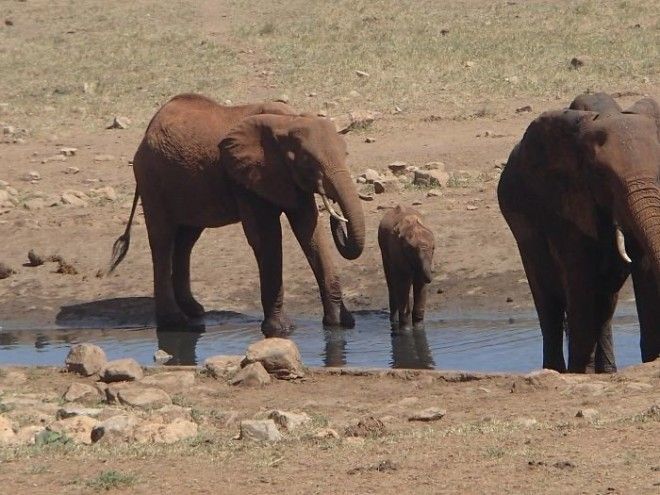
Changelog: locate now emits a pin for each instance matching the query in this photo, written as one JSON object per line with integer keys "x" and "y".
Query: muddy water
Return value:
{"x": 481, "y": 342}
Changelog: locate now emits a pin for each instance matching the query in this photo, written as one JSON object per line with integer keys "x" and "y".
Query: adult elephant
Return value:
{"x": 581, "y": 195}
{"x": 203, "y": 165}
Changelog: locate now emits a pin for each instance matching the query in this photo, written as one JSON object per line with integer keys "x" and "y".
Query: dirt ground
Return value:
{"x": 500, "y": 434}
{"x": 495, "y": 437}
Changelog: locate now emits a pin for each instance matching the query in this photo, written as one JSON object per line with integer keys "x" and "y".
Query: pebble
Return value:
{"x": 362, "y": 73}
{"x": 119, "y": 123}
{"x": 430, "y": 414}
{"x": 72, "y": 170}
{"x": 32, "y": 176}
{"x": 67, "y": 151}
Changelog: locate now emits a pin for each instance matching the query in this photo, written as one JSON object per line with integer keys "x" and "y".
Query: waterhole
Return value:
{"x": 476, "y": 342}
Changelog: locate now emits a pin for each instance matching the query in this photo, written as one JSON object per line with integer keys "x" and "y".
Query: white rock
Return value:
{"x": 430, "y": 178}
{"x": 370, "y": 175}
{"x": 119, "y": 428}
{"x": 252, "y": 375}
{"x": 430, "y": 414}
{"x": 261, "y": 430}
{"x": 72, "y": 170}
{"x": 67, "y": 151}
{"x": 222, "y": 366}
{"x": 143, "y": 397}
{"x": 387, "y": 186}
{"x": 77, "y": 428}
{"x": 32, "y": 176}
{"x": 161, "y": 357}
{"x": 288, "y": 420}
{"x": 122, "y": 370}
{"x": 85, "y": 359}
{"x": 280, "y": 357}
{"x": 119, "y": 123}
{"x": 175, "y": 431}
{"x": 106, "y": 192}
{"x": 73, "y": 199}
{"x": 81, "y": 391}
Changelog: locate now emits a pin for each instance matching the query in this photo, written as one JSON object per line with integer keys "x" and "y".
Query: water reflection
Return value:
{"x": 410, "y": 349}
{"x": 181, "y": 344}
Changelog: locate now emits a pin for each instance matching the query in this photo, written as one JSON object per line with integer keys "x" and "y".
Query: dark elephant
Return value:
{"x": 581, "y": 195}
{"x": 203, "y": 165}
{"x": 406, "y": 246}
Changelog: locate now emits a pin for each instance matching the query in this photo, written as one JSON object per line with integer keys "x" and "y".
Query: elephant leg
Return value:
{"x": 186, "y": 237}
{"x": 605, "y": 361}
{"x": 545, "y": 285}
{"x": 314, "y": 242}
{"x": 391, "y": 291}
{"x": 420, "y": 290}
{"x": 161, "y": 240}
{"x": 403, "y": 285}
{"x": 647, "y": 295}
{"x": 261, "y": 224}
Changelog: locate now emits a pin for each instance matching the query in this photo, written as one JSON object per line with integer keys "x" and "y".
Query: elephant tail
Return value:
{"x": 120, "y": 247}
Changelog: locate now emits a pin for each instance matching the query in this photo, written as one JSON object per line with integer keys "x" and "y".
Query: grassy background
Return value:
{"x": 452, "y": 57}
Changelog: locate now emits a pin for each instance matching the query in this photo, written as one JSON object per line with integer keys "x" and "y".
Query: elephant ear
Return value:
{"x": 254, "y": 156}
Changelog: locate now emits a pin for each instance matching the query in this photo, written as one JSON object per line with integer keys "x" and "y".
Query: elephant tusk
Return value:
{"x": 621, "y": 246}
{"x": 331, "y": 210}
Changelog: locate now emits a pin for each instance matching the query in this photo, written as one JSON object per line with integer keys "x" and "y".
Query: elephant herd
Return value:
{"x": 580, "y": 193}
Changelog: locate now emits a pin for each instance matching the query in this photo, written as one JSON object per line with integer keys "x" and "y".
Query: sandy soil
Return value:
{"x": 500, "y": 434}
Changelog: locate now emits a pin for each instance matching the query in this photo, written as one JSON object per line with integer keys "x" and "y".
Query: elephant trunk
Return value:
{"x": 349, "y": 240}
{"x": 427, "y": 271}
{"x": 643, "y": 203}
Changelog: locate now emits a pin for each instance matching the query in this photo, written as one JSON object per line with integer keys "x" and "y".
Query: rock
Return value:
{"x": 32, "y": 176}
{"x": 172, "y": 381}
{"x": 77, "y": 428}
{"x": 7, "y": 433}
{"x": 81, "y": 391}
{"x": 106, "y": 192}
{"x": 67, "y": 151}
{"x": 74, "y": 198}
{"x": 282, "y": 99}
{"x": 175, "y": 431}
{"x": 370, "y": 175}
{"x": 353, "y": 94}
{"x": 589, "y": 388}
{"x": 354, "y": 120}
{"x": 288, "y": 420}
{"x": 161, "y": 357}
{"x": 85, "y": 359}
{"x": 577, "y": 62}
{"x": 326, "y": 433}
{"x": 143, "y": 397}
{"x": 119, "y": 428}
{"x": 34, "y": 258}
{"x": 54, "y": 158}
{"x": 362, "y": 73}
{"x": 34, "y": 204}
{"x": 369, "y": 139}
{"x": 222, "y": 366}
{"x": 437, "y": 177}
{"x": 434, "y": 193}
{"x": 27, "y": 435}
{"x": 5, "y": 271}
{"x": 398, "y": 168}
{"x": 387, "y": 186}
{"x": 75, "y": 410}
{"x": 252, "y": 375}
{"x": 260, "y": 430}
{"x": 167, "y": 414}
{"x": 280, "y": 357}
{"x": 524, "y": 109}
{"x": 72, "y": 170}
{"x": 588, "y": 414}
{"x": 430, "y": 414}
{"x": 122, "y": 370}
{"x": 104, "y": 158}
{"x": 119, "y": 123}
{"x": 366, "y": 427}
{"x": 469, "y": 64}
{"x": 471, "y": 207}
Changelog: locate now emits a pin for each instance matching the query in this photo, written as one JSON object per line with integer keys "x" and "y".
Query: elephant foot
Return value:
{"x": 277, "y": 327}
{"x": 343, "y": 318}
{"x": 192, "y": 308}
{"x": 175, "y": 319}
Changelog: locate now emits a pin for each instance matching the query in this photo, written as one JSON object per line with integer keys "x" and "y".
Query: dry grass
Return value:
{"x": 77, "y": 63}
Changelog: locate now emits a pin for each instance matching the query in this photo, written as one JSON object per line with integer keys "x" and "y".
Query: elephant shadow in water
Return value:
{"x": 410, "y": 348}
{"x": 131, "y": 312}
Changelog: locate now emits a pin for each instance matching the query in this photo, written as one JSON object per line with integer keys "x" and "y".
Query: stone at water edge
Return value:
{"x": 288, "y": 420}
{"x": 122, "y": 370}
{"x": 280, "y": 357}
{"x": 222, "y": 366}
{"x": 253, "y": 375}
{"x": 260, "y": 430}
{"x": 161, "y": 357}
{"x": 85, "y": 359}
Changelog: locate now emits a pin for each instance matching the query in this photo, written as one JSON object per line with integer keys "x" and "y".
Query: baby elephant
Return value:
{"x": 407, "y": 246}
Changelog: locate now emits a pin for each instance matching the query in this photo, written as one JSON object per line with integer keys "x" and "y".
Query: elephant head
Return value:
{"x": 282, "y": 158}
{"x": 418, "y": 246}
{"x": 616, "y": 159}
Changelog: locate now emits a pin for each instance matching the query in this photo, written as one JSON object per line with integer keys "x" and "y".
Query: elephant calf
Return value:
{"x": 407, "y": 246}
